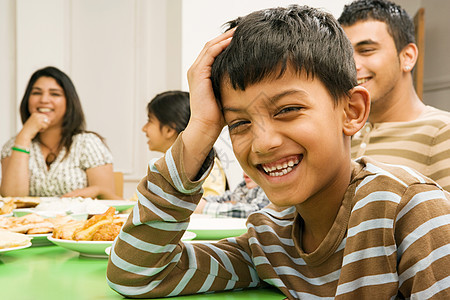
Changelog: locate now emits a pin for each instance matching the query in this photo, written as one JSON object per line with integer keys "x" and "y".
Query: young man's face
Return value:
{"x": 287, "y": 135}
{"x": 377, "y": 62}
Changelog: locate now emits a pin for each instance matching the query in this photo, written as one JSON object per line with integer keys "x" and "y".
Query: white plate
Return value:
{"x": 15, "y": 248}
{"x": 209, "y": 228}
{"x": 187, "y": 236}
{"x": 120, "y": 205}
{"x": 7, "y": 215}
{"x": 94, "y": 249}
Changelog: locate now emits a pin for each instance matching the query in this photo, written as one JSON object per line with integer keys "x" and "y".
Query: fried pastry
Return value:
{"x": 93, "y": 224}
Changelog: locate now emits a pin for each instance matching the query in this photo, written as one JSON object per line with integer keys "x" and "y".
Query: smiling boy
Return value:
{"x": 284, "y": 82}
{"x": 401, "y": 128}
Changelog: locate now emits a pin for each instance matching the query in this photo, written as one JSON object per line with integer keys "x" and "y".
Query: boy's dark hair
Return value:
{"x": 399, "y": 24}
{"x": 74, "y": 120}
{"x": 171, "y": 108}
{"x": 269, "y": 41}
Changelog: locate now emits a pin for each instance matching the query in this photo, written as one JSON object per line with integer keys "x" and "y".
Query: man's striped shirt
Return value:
{"x": 422, "y": 144}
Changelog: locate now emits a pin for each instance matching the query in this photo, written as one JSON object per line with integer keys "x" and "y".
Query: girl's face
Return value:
{"x": 47, "y": 97}
{"x": 159, "y": 137}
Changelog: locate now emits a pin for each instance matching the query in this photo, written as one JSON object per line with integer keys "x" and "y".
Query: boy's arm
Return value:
{"x": 148, "y": 259}
{"x": 422, "y": 232}
{"x": 206, "y": 121}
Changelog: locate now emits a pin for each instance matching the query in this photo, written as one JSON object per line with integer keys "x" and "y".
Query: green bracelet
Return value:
{"x": 19, "y": 149}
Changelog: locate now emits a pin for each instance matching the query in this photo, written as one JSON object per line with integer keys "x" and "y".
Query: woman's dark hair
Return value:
{"x": 171, "y": 108}
{"x": 73, "y": 121}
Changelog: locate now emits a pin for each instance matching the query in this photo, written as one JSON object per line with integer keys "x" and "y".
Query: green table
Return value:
{"x": 51, "y": 272}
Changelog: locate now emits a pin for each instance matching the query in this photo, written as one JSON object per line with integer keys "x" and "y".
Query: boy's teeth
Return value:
{"x": 44, "y": 110}
{"x": 281, "y": 169}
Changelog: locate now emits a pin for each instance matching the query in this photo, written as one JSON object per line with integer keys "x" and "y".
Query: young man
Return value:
{"x": 401, "y": 128}
{"x": 284, "y": 82}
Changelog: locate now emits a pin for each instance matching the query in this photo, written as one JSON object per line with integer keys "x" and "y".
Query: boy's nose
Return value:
{"x": 265, "y": 139}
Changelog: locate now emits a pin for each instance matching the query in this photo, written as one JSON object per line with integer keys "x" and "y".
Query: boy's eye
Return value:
{"x": 288, "y": 110}
{"x": 238, "y": 126}
{"x": 56, "y": 94}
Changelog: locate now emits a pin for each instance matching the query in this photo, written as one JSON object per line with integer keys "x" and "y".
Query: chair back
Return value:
{"x": 118, "y": 183}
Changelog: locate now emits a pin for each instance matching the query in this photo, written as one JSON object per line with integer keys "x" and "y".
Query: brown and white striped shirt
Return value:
{"x": 422, "y": 144}
{"x": 390, "y": 239}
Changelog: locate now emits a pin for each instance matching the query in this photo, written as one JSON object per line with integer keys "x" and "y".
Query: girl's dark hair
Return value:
{"x": 269, "y": 41}
{"x": 171, "y": 108}
{"x": 73, "y": 121}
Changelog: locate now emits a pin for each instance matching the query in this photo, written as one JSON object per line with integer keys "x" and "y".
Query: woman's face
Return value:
{"x": 158, "y": 139}
{"x": 47, "y": 97}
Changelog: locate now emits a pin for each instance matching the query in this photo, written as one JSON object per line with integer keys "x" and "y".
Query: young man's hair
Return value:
{"x": 399, "y": 24}
{"x": 268, "y": 42}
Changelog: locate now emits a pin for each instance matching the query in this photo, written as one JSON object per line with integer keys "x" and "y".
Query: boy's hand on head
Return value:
{"x": 206, "y": 120}
{"x": 204, "y": 109}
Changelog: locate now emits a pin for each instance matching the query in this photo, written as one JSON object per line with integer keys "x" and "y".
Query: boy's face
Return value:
{"x": 377, "y": 61}
{"x": 287, "y": 135}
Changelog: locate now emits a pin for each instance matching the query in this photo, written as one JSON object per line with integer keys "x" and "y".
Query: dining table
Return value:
{"x": 47, "y": 271}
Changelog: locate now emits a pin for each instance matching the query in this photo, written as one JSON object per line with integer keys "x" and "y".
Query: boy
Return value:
{"x": 246, "y": 198}
{"x": 401, "y": 129}
{"x": 285, "y": 82}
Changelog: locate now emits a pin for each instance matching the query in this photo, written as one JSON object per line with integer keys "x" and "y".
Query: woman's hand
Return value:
{"x": 36, "y": 123}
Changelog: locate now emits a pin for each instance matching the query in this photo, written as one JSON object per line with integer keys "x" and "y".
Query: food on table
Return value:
{"x": 10, "y": 239}
{"x": 7, "y": 204}
{"x": 32, "y": 223}
{"x": 104, "y": 227}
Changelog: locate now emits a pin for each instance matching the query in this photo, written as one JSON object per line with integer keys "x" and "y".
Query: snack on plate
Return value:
{"x": 65, "y": 232}
{"x": 11, "y": 239}
{"x": 32, "y": 223}
{"x": 7, "y": 204}
{"x": 104, "y": 227}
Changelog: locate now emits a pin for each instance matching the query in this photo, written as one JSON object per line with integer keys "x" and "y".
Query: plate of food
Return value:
{"x": 35, "y": 226}
{"x": 89, "y": 237}
{"x": 210, "y": 228}
{"x": 10, "y": 241}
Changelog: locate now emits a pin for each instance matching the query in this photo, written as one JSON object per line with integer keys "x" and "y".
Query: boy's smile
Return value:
{"x": 287, "y": 135}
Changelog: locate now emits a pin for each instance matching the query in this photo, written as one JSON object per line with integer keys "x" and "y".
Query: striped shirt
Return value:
{"x": 391, "y": 238}
{"x": 65, "y": 173}
{"x": 422, "y": 144}
{"x": 238, "y": 203}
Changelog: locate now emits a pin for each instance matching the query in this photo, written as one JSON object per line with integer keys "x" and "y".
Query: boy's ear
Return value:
{"x": 356, "y": 110}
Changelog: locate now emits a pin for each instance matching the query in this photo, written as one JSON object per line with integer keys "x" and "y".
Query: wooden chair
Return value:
{"x": 118, "y": 183}
{"x": 419, "y": 24}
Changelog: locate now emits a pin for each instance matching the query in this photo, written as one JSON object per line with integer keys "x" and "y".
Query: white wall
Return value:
{"x": 121, "y": 53}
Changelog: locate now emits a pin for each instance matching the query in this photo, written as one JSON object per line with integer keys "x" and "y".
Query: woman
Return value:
{"x": 168, "y": 115}
{"x": 53, "y": 154}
